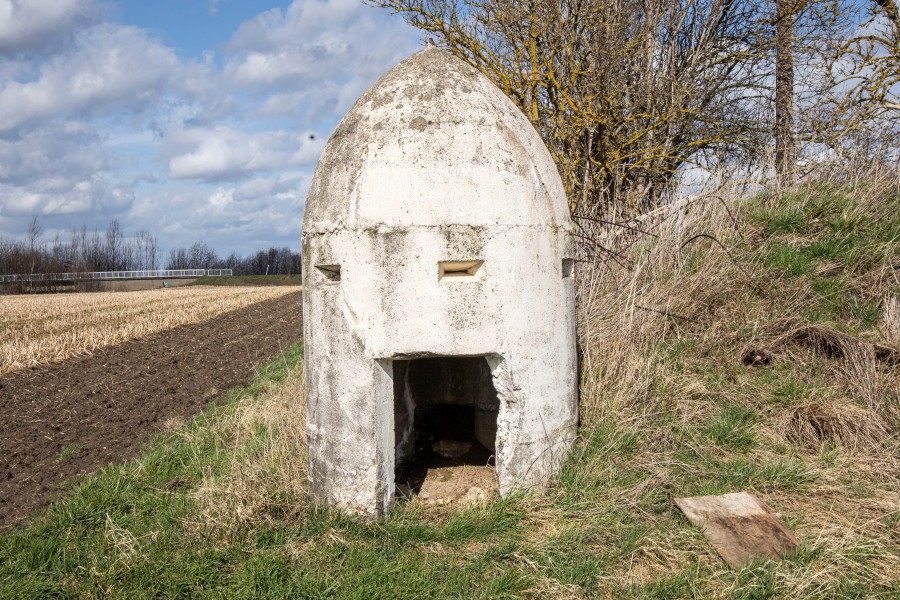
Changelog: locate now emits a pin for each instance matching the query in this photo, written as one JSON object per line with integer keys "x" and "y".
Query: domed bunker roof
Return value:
{"x": 434, "y": 142}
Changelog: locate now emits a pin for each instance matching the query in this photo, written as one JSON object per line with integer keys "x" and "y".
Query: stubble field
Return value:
{"x": 43, "y": 329}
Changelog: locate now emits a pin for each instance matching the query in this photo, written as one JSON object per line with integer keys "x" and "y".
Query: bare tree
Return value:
{"x": 624, "y": 92}
{"x": 115, "y": 247}
{"x": 198, "y": 256}
{"x": 78, "y": 252}
{"x": 201, "y": 256}
{"x": 259, "y": 263}
{"x": 863, "y": 75}
{"x": 178, "y": 259}
{"x": 146, "y": 250}
{"x": 112, "y": 250}
{"x": 59, "y": 255}
{"x": 883, "y": 52}
{"x": 33, "y": 236}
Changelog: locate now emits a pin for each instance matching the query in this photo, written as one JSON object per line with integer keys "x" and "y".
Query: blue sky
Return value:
{"x": 192, "y": 27}
{"x": 193, "y": 119}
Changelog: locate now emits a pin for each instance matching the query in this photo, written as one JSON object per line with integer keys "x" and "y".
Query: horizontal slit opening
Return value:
{"x": 330, "y": 272}
{"x": 459, "y": 268}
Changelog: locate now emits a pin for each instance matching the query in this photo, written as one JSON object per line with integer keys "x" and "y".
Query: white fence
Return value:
{"x": 112, "y": 275}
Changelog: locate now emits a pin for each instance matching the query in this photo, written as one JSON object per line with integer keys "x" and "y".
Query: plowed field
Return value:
{"x": 67, "y": 419}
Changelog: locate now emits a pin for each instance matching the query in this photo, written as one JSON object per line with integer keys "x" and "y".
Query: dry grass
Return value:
{"x": 265, "y": 438}
{"x": 693, "y": 326}
{"x": 702, "y": 372}
{"x": 626, "y": 310}
{"x": 891, "y": 319}
{"x": 37, "y": 330}
{"x": 818, "y": 424}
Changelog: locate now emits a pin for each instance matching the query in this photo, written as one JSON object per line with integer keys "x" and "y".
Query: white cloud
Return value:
{"x": 227, "y": 154}
{"x": 271, "y": 187}
{"x": 60, "y": 197}
{"x": 32, "y": 25}
{"x": 100, "y": 120}
{"x": 111, "y": 66}
{"x": 59, "y": 169}
{"x": 220, "y": 199}
{"x": 264, "y": 212}
{"x": 255, "y": 188}
{"x": 67, "y": 150}
{"x": 317, "y": 54}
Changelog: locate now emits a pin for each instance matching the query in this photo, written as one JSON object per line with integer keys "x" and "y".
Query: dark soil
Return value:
{"x": 68, "y": 419}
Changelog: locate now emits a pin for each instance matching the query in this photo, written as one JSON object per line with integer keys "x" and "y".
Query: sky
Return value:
{"x": 197, "y": 120}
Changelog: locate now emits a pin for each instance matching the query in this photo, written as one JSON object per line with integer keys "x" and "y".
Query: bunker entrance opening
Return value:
{"x": 445, "y": 426}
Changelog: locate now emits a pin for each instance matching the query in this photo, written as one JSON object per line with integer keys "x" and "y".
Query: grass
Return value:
{"x": 765, "y": 381}
{"x": 249, "y": 280}
{"x": 732, "y": 429}
{"x": 830, "y": 236}
{"x": 69, "y": 451}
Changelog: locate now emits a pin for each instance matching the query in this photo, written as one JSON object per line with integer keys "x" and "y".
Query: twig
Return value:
{"x": 614, "y": 224}
{"x": 749, "y": 277}
{"x": 664, "y": 313}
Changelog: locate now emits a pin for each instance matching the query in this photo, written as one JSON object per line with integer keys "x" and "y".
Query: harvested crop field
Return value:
{"x": 36, "y": 330}
{"x": 69, "y": 418}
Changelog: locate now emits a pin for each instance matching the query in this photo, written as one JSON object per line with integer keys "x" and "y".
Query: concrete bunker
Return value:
{"x": 438, "y": 294}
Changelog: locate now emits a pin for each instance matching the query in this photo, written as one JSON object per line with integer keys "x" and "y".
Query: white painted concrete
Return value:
{"x": 435, "y": 165}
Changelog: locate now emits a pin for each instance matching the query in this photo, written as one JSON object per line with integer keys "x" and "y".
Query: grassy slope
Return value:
{"x": 217, "y": 508}
{"x": 241, "y": 280}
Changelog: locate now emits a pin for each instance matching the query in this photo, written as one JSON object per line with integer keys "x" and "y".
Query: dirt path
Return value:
{"x": 68, "y": 419}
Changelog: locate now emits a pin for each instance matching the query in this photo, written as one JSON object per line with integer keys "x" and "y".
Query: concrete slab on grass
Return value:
{"x": 739, "y": 527}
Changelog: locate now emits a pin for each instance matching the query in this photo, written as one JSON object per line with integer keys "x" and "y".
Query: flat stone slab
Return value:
{"x": 462, "y": 484}
{"x": 739, "y": 527}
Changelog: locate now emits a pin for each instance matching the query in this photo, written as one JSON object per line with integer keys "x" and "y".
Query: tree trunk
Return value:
{"x": 785, "y": 147}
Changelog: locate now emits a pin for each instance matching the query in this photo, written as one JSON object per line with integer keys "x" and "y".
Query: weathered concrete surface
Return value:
{"x": 435, "y": 165}
{"x": 739, "y": 527}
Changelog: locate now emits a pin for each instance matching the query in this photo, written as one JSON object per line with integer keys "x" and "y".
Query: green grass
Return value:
{"x": 828, "y": 237}
{"x": 69, "y": 451}
{"x": 135, "y": 531}
{"x": 127, "y": 528}
{"x": 732, "y": 429}
{"x": 700, "y": 422}
{"x": 249, "y": 280}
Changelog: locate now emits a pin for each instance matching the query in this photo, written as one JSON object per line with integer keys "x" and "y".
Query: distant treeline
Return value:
{"x": 112, "y": 250}
{"x": 274, "y": 261}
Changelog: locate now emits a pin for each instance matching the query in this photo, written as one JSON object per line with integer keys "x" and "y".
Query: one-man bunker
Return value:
{"x": 438, "y": 296}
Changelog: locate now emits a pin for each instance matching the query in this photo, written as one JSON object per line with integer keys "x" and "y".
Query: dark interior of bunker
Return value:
{"x": 445, "y": 415}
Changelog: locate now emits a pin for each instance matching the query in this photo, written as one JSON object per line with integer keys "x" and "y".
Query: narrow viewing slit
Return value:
{"x": 445, "y": 418}
{"x": 459, "y": 268}
{"x": 330, "y": 272}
